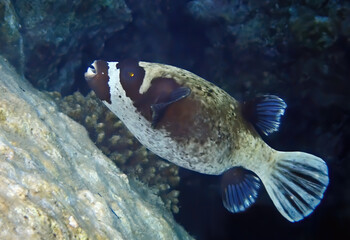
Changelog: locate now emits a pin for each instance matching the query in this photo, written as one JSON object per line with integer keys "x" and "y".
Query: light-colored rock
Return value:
{"x": 55, "y": 183}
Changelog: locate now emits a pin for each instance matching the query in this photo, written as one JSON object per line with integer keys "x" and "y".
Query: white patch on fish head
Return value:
{"x": 122, "y": 105}
{"x": 157, "y": 70}
{"x": 157, "y": 140}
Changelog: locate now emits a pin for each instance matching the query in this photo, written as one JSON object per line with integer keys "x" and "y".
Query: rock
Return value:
{"x": 46, "y": 37}
{"x": 10, "y": 36}
{"x": 55, "y": 183}
{"x": 118, "y": 144}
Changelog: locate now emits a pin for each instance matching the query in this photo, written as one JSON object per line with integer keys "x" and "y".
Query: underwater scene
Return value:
{"x": 174, "y": 119}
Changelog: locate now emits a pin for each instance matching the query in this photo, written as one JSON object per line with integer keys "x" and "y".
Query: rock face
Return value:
{"x": 54, "y": 182}
{"x": 45, "y": 38}
{"x": 113, "y": 138}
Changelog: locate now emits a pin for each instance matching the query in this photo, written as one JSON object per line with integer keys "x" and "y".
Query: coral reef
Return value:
{"x": 113, "y": 138}
{"x": 55, "y": 183}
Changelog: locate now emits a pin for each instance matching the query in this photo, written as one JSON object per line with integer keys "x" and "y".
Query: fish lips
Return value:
{"x": 97, "y": 78}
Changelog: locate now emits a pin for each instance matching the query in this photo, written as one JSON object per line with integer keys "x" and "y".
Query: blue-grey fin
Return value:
{"x": 264, "y": 113}
{"x": 239, "y": 189}
{"x": 158, "y": 109}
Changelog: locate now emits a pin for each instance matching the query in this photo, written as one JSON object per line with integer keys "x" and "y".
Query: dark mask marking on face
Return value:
{"x": 131, "y": 77}
{"x": 98, "y": 80}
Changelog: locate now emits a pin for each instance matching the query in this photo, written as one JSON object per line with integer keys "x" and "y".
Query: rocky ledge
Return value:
{"x": 55, "y": 183}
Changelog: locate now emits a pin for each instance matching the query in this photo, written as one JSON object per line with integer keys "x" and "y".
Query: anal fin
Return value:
{"x": 239, "y": 189}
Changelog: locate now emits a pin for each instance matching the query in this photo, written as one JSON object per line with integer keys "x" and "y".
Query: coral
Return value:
{"x": 56, "y": 184}
{"x": 113, "y": 138}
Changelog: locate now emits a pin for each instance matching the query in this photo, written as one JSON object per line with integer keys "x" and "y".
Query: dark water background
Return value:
{"x": 298, "y": 50}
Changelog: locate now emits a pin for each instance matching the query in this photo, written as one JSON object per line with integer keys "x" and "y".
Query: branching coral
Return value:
{"x": 113, "y": 138}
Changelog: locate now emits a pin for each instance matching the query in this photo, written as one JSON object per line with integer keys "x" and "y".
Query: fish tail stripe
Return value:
{"x": 296, "y": 184}
{"x": 272, "y": 106}
{"x": 269, "y": 114}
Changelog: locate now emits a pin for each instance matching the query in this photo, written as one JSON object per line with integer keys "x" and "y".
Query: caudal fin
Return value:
{"x": 296, "y": 183}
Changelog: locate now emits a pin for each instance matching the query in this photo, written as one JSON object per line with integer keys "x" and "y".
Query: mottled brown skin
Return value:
{"x": 205, "y": 131}
{"x": 207, "y": 115}
{"x": 158, "y": 92}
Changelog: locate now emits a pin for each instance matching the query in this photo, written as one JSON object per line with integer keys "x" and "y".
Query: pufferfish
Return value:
{"x": 194, "y": 124}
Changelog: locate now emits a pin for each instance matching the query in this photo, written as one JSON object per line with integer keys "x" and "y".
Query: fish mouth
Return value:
{"x": 91, "y": 72}
{"x": 97, "y": 78}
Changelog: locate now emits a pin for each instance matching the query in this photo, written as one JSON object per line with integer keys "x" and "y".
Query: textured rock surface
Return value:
{"x": 118, "y": 144}
{"x": 44, "y": 38}
{"x": 54, "y": 182}
{"x": 10, "y": 36}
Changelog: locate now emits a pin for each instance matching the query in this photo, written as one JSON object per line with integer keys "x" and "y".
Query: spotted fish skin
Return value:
{"x": 196, "y": 125}
{"x": 204, "y": 132}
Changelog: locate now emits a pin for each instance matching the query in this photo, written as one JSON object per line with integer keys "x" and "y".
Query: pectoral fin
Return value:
{"x": 159, "y": 108}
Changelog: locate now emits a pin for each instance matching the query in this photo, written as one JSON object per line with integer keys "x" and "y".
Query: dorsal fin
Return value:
{"x": 264, "y": 112}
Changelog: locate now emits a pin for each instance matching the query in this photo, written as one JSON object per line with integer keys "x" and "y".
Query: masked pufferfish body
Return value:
{"x": 196, "y": 125}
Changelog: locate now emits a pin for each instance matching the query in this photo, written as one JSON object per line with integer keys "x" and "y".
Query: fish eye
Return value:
{"x": 130, "y": 74}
